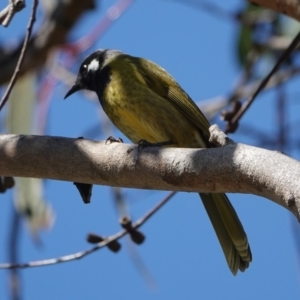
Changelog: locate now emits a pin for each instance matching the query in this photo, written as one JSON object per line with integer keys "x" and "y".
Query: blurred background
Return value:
{"x": 218, "y": 52}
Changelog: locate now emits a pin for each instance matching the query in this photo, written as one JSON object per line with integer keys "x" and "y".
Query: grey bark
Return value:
{"x": 235, "y": 168}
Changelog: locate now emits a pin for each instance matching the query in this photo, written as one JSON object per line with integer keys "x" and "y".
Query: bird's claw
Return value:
{"x": 112, "y": 139}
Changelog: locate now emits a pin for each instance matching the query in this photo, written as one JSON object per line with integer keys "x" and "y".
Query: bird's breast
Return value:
{"x": 140, "y": 113}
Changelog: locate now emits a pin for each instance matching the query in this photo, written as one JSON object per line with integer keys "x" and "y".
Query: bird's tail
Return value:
{"x": 229, "y": 230}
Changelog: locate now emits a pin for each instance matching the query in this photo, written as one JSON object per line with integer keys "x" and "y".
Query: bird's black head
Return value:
{"x": 90, "y": 71}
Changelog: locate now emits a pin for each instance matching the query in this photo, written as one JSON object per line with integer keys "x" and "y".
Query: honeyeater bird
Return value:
{"x": 146, "y": 103}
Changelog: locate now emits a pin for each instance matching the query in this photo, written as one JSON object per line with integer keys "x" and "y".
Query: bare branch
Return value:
{"x": 232, "y": 123}
{"x": 10, "y": 10}
{"x": 100, "y": 245}
{"x": 53, "y": 33}
{"x": 22, "y": 55}
{"x": 234, "y": 168}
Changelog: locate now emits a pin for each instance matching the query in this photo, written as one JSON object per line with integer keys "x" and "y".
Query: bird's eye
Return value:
{"x": 83, "y": 68}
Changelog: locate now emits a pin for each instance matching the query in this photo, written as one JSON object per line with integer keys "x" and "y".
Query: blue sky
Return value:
{"x": 181, "y": 250}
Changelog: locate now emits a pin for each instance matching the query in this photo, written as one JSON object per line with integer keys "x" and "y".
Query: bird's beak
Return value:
{"x": 75, "y": 88}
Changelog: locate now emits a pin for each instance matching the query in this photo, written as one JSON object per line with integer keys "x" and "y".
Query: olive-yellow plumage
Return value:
{"x": 146, "y": 103}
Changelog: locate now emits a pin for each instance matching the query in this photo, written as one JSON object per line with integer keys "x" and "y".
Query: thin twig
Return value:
{"x": 246, "y": 90}
{"x": 262, "y": 85}
{"x": 137, "y": 261}
{"x": 81, "y": 254}
{"x": 22, "y": 55}
{"x": 13, "y": 255}
{"x": 5, "y": 12}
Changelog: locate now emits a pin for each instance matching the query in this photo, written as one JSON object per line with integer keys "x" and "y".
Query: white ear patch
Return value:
{"x": 93, "y": 65}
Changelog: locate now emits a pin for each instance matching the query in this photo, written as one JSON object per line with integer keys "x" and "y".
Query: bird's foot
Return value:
{"x": 142, "y": 144}
{"x": 111, "y": 140}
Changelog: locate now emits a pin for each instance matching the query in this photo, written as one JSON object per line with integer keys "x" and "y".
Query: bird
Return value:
{"x": 147, "y": 104}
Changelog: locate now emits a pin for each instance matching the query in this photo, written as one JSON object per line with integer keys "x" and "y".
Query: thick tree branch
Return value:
{"x": 236, "y": 168}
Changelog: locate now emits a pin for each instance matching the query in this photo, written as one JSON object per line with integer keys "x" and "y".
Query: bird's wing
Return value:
{"x": 165, "y": 85}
